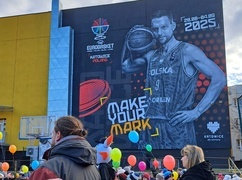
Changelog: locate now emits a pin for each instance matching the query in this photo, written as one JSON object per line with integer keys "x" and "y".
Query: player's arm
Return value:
{"x": 196, "y": 59}
{"x": 133, "y": 59}
{"x": 133, "y": 65}
{"x": 132, "y": 62}
{"x": 217, "y": 77}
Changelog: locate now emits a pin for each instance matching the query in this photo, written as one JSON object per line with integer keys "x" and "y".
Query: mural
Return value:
{"x": 157, "y": 72}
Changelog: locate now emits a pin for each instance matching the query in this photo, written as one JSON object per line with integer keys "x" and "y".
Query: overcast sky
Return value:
{"x": 232, "y": 20}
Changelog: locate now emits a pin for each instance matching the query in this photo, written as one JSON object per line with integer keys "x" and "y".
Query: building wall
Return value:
{"x": 236, "y": 139}
{"x": 24, "y": 64}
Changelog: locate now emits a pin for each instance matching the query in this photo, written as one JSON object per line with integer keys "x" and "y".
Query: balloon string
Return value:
{"x": 145, "y": 155}
{"x": 3, "y": 152}
{"x": 14, "y": 163}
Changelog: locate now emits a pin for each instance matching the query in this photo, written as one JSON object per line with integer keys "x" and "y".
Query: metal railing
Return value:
{"x": 232, "y": 167}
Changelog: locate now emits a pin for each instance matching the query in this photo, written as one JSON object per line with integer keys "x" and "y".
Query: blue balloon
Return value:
{"x": 35, "y": 164}
{"x": 133, "y": 136}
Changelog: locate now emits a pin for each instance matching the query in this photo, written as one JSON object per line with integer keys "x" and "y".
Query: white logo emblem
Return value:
{"x": 213, "y": 126}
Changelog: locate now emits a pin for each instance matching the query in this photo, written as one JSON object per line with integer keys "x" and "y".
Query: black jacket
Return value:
{"x": 201, "y": 171}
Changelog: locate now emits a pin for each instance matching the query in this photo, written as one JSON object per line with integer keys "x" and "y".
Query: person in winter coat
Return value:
{"x": 197, "y": 168}
{"x": 71, "y": 156}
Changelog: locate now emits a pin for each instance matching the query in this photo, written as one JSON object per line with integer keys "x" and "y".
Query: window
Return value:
{"x": 2, "y": 128}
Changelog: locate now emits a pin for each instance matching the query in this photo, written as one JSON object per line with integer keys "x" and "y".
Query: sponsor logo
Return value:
{"x": 213, "y": 127}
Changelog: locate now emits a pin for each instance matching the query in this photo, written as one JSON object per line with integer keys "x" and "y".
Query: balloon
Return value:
{"x": 1, "y": 135}
{"x": 5, "y": 166}
{"x": 142, "y": 165}
{"x": 169, "y": 162}
{"x": 133, "y": 136}
{"x": 148, "y": 147}
{"x": 174, "y": 175}
{"x": 115, "y": 154}
{"x": 35, "y": 164}
{"x": 155, "y": 163}
{"x": 132, "y": 160}
{"x": 24, "y": 169}
{"x": 12, "y": 149}
{"x": 115, "y": 164}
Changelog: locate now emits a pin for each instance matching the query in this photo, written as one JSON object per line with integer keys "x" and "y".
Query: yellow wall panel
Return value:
{"x": 32, "y": 26}
{"x": 7, "y": 67}
{"x": 24, "y": 60}
{"x": 8, "y": 28}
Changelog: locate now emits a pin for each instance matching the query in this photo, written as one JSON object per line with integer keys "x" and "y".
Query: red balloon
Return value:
{"x": 155, "y": 163}
{"x": 169, "y": 162}
{"x": 132, "y": 160}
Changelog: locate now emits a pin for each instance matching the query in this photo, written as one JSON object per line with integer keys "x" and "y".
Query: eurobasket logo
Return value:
{"x": 99, "y": 28}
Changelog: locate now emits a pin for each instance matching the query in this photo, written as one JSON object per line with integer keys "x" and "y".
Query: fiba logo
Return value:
{"x": 99, "y": 28}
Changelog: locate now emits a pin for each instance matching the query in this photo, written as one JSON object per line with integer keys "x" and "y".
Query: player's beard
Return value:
{"x": 164, "y": 39}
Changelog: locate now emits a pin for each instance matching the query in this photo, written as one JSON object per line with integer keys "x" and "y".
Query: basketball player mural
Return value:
{"x": 172, "y": 73}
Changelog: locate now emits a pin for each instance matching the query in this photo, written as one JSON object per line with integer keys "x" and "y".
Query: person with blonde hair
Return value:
{"x": 194, "y": 161}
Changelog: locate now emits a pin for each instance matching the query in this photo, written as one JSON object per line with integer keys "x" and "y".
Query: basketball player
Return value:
{"x": 172, "y": 73}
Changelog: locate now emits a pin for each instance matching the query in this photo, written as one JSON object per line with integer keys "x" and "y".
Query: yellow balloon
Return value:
{"x": 24, "y": 169}
{"x": 17, "y": 175}
{"x": 1, "y": 135}
{"x": 175, "y": 175}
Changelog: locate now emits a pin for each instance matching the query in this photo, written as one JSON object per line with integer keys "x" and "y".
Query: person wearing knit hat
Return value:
{"x": 133, "y": 176}
{"x": 146, "y": 176}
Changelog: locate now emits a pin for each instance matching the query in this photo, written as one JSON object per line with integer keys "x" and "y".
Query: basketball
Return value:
{"x": 140, "y": 39}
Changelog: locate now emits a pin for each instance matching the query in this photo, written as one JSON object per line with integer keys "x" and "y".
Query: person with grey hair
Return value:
{"x": 194, "y": 161}
{"x": 172, "y": 69}
{"x": 71, "y": 156}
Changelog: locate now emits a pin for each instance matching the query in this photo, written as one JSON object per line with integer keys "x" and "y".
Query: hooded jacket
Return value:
{"x": 72, "y": 158}
{"x": 201, "y": 171}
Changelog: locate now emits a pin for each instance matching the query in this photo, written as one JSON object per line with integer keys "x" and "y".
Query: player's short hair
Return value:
{"x": 161, "y": 13}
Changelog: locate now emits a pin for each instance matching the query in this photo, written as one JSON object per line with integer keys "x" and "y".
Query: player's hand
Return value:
{"x": 182, "y": 117}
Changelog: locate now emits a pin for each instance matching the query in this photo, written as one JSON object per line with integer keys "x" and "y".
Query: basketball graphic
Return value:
{"x": 93, "y": 95}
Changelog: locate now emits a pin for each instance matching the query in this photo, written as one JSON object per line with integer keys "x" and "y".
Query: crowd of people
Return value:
{"x": 71, "y": 157}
